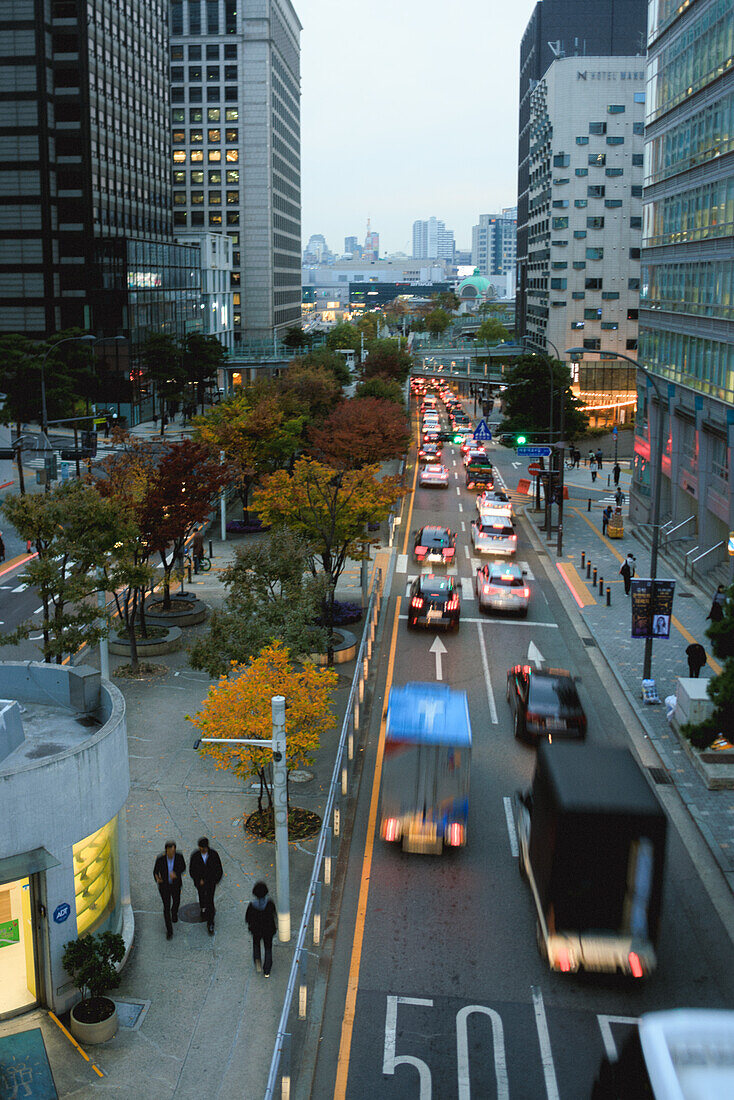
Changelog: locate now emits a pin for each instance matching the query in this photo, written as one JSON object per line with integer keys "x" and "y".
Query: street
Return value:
{"x": 436, "y": 987}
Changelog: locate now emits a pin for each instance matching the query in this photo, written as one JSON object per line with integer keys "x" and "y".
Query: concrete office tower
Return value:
{"x": 236, "y": 134}
{"x": 352, "y": 246}
{"x": 432, "y": 240}
{"x": 566, "y": 28}
{"x": 585, "y": 217}
{"x": 494, "y": 242}
{"x": 85, "y": 229}
{"x": 686, "y": 320}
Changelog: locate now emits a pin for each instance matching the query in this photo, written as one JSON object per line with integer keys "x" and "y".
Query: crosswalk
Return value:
{"x": 467, "y": 583}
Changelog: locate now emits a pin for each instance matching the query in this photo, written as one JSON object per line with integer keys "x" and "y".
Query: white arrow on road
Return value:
{"x": 517, "y": 464}
{"x": 439, "y": 649}
{"x": 534, "y": 655}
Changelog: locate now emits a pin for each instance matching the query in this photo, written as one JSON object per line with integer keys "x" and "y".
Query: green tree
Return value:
{"x": 437, "y": 321}
{"x": 720, "y": 688}
{"x": 383, "y": 388}
{"x": 528, "y": 394}
{"x": 326, "y": 359}
{"x": 448, "y": 300}
{"x": 389, "y": 359}
{"x": 202, "y": 357}
{"x": 344, "y": 335}
{"x": 162, "y": 359}
{"x": 271, "y": 596}
{"x": 491, "y": 331}
{"x": 21, "y": 363}
{"x": 368, "y": 325}
{"x": 296, "y": 338}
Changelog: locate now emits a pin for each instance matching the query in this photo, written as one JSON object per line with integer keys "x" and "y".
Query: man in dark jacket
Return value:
{"x": 696, "y": 655}
{"x": 168, "y": 872}
{"x": 205, "y": 868}
{"x": 263, "y": 924}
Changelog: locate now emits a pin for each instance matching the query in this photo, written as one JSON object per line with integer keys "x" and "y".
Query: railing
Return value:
{"x": 700, "y": 557}
{"x": 668, "y": 532}
{"x": 292, "y": 1026}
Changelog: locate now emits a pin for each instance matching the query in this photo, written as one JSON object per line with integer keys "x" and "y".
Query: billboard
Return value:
{"x": 652, "y": 607}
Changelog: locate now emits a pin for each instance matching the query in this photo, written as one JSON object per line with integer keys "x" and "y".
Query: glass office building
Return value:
{"x": 687, "y": 309}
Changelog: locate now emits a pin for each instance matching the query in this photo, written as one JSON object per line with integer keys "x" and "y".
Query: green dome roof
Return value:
{"x": 480, "y": 283}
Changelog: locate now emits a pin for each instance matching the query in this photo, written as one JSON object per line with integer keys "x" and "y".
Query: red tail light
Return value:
{"x": 420, "y": 551}
{"x": 513, "y": 538}
{"x": 453, "y": 604}
{"x": 448, "y": 551}
{"x": 391, "y": 829}
{"x": 636, "y": 968}
{"x": 455, "y": 834}
{"x": 564, "y": 961}
{"x": 526, "y": 593}
{"x": 417, "y": 602}
{"x": 535, "y": 719}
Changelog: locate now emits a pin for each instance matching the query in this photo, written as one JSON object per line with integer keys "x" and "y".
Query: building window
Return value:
{"x": 636, "y": 191}
{"x": 612, "y": 204}
{"x": 215, "y": 218}
{"x": 215, "y": 177}
{"x": 632, "y": 314}
{"x": 597, "y": 160}
{"x": 639, "y": 97}
{"x": 592, "y": 344}
{"x": 212, "y": 74}
{"x": 179, "y": 198}
{"x": 212, "y": 16}
{"x": 194, "y": 17}
{"x": 615, "y": 109}
{"x": 612, "y": 172}
{"x": 196, "y": 136}
{"x": 231, "y": 114}
{"x": 197, "y": 198}
{"x": 233, "y": 217}
{"x": 635, "y": 223}
{"x": 197, "y": 177}
{"x": 213, "y": 114}
{"x": 580, "y": 204}
{"x": 592, "y": 315}
{"x": 177, "y": 95}
{"x": 177, "y": 74}
{"x": 195, "y": 74}
{"x": 197, "y": 156}
{"x": 176, "y": 53}
{"x": 559, "y": 265}
{"x": 634, "y": 253}
{"x": 233, "y": 197}
{"x": 194, "y": 53}
{"x": 630, "y": 345}
{"x": 560, "y": 182}
{"x": 579, "y": 265}
{"x": 212, "y": 52}
{"x": 595, "y": 190}
{"x": 179, "y": 156}
{"x": 561, "y": 160}
{"x": 233, "y": 175}
{"x": 597, "y": 127}
{"x": 582, "y": 141}
{"x": 578, "y": 295}
{"x": 577, "y": 324}
{"x": 638, "y": 127}
{"x": 213, "y": 93}
{"x": 594, "y": 253}
{"x": 230, "y": 72}
{"x": 560, "y": 223}
{"x": 230, "y": 93}
{"x": 214, "y": 136}
{"x": 178, "y": 115}
{"x": 558, "y": 284}
{"x": 214, "y": 155}
{"x": 230, "y": 19}
{"x": 615, "y": 140}
{"x": 197, "y": 217}
{"x": 609, "y": 295}
{"x": 195, "y": 95}
{"x": 195, "y": 114}
{"x": 595, "y": 223}
{"x": 609, "y": 326}
{"x": 233, "y": 155}
{"x": 633, "y": 284}
{"x": 179, "y": 178}
{"x": 579, "y": 234}
{"x": 215, "y": 198}
{"x": 231, "y": 135}
{"x": 560, "y": 244}
{"x": 178, "y": 137}
{"x": 560, "y": 204}
{"x": 637, "y": 160}
{"x": 593, "y": 284}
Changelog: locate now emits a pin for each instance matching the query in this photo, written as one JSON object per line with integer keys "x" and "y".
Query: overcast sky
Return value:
{"x": 408, "y": 109}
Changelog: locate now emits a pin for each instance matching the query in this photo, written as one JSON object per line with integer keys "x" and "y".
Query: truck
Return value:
{"x": 591, "y": 837}
{"x": 425, "y": 772}
{"x": 480, "y": 474}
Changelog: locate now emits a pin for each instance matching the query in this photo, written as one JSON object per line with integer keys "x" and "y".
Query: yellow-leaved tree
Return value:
{"x": 239, "y": 706}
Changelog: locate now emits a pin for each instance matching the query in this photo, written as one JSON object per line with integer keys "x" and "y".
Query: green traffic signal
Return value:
{"x": 521, "y": 440}
{"x": 458, "y": 439}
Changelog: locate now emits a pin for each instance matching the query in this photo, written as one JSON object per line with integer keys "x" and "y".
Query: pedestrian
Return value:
{"x": 591, "y": 457}
{"x": 716, "y": 614}
{"x": 263, "y": 924}
{"x": 616, "y": 472}
{"x": 696, "y": 655}
{"x": 627, "y": 572}
{"x": 2, "y": 547}
{"x": 197, "y": 549}
{"x": 619, "y": 497}
{"x": 592, "y": 468}
{"x": 28, "y": 546}
{"x": 599, "y": 458}
{"x": 205, "y": 868}
{"x": 605, "y": 516}
{"x": 577, "y": 458}
{"x": 167, "y": 872}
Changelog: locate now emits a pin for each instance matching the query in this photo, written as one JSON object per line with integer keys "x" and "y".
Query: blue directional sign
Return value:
{"x": 482, "y": 432}
{"x": 533, "y": 452}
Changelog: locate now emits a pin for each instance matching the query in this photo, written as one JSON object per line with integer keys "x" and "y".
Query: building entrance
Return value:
{"x": 17, "y": 948}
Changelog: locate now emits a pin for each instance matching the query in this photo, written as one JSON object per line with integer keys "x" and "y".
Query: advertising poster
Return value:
{"x": 641, "y": 597}
{"x": 662, "y": 607}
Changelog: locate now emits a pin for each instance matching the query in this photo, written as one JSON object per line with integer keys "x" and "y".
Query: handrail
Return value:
{"x": 365, "y": 651}
{"x": 709, "y": 551}
{"x": 692, "y": 550}
{"x": 678, "y": 525}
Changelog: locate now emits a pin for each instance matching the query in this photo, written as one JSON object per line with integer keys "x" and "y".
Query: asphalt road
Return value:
{"x": 450, "y": 996}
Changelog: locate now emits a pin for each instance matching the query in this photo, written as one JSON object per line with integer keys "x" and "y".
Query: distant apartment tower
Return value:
{"x": 432, "y": 240}
{"x": 686, "y": 319}
{"x": 494, "y": 242}
{"x": 565, "y": 28}
{"x": 236, "y": 133}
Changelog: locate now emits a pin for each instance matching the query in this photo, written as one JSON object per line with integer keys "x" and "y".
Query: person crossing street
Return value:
{"x": 205, "y": 868}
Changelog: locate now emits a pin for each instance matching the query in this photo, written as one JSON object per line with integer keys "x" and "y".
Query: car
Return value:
{"x": 434, "y": 476}
{"x": 444, "y": 436}
{"x": 435, "y": 544}
{"x": 467, "y": 444}
{"x": 479, "y": 474}
{"x": 494, "y": 503}
{"x": 434, "y": 601}
{"x": 474, "y": 454}
{"x": 431, "y": 436}
{"x": 501, "y": 586}
{"x": 496, "y": 537}
{"x": 545, "y": 703}
{"x": 430, "y": 452}
{"x": 429, "y": 426}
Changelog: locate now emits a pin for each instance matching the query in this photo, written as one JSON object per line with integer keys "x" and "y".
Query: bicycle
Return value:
{"x": 205, "y": 564}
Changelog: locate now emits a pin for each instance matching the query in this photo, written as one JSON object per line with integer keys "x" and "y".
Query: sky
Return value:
{"x": 408, "y": 110}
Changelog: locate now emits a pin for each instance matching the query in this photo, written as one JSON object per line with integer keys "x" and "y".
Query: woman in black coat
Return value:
{"x": 263, "y": 924}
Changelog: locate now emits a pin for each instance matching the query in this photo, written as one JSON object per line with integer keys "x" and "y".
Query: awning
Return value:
{"x": 26, "y": 863}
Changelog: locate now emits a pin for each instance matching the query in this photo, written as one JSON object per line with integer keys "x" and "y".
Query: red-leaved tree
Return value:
{"x": 360, "y": 432}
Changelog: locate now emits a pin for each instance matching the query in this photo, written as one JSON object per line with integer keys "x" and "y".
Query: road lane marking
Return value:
{"x": 38, "y": 611}
{"x": 20, "y": 588}
{"x": 463, "y": 526}
{"x": 410, "y": 509}
{"x": 345, "y": 1043}
{"x": 487, "y": 681}
{"x": 501, "y": 622}
{"x": 605, "y": 1027}
{"x": 466, "y": 548}
{"x": 462, "y": 1051}
{"x": 578, "y": 588}
{"x": 511, "y": 831}
{"x": 461, "y": 507}
{"x": 458, "y": 491}
{"x": 402, "y": 563}
{"x": 467, "y": 588}
{"x": 546, "y": 1054}
{"x": 438, "y": 649}
{"x": 389, "y": 1059}
{"x": 526, "y": 570}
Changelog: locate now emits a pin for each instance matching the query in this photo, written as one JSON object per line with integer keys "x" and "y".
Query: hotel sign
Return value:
{"x": 587, "y": 74}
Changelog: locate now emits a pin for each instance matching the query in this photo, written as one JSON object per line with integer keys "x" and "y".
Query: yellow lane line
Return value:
{"x": 710, "y": 661}
{"x": 73, "y": 1042}
{"x": 580, "y": 591}
{"x": 345, "y": 1044}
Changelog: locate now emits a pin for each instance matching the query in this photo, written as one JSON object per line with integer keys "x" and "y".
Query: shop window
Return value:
{"x": 96, "y": 880}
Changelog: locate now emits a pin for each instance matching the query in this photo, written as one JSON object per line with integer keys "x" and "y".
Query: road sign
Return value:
{"x": 482, "y": 432}
{"x": 614, "y": 430}
{"x": 533, "y": 452}
{"x": 534, "y": 469}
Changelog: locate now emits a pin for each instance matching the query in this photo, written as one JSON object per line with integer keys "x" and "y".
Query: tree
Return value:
{"x": 344, "y": 336}
{"x": 720, "y": 688}
{"x": 381, "y": 387}
{"x": 389, "y": 359}
{"x": 162, "y": 359}
{"x": 255, "y": 434}
{"x": 361, "y": 431}
{"x": 324, "y": 359}
{"x": 74, "y": 531}
{"x": 368, "y": 325}
{"x": 271, "y": 597}
{"x": 296, "y": 338}
{"x": 527, "y": 398}
{"x": 448, "y": 300}
{"x": 437, "y": 321}
{"x": 184, "y": 487}
{"x": 239, "y": 705}
{"x": 492, "y": 331}
{"x": 202, "y": 359}
{"x": 21, "y": 363}
{"x": 90, "y": 962}
{"x": 331, "y": 512}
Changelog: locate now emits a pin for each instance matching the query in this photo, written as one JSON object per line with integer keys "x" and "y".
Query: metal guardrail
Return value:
{"x": 704, "y": 554}
{"x": 292, "y": 1025}
{"x": 667, "y": 532}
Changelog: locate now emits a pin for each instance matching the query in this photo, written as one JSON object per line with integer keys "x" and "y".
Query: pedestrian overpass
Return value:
{"x": 460, "y": 360}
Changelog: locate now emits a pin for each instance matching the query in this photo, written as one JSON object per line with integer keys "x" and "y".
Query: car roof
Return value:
{"x": 428, "y": 713}
{"x": 592, "y": 778}
{"x": 689, "y": 1053}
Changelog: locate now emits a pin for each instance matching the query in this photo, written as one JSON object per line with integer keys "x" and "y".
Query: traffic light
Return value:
{"x": 521, "y": 440}
{"x": 458, "y": 438}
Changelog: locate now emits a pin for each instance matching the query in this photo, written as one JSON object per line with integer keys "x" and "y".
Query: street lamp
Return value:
{"x": 656, "y": 477}
{"x": 53, "y": 347}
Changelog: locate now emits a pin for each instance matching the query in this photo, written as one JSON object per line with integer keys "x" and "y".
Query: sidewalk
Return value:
{"x": 202, "y": 1022}
{"x": 609, "y": 627}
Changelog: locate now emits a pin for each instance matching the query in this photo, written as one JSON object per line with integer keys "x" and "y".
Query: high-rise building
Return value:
{"x": 585, "y": 221}
{"x": 352, "y": 247}
{"x": 317, "y": 250}
{"x": 494, "y": 242}
{"x": 236, "y": 132}
{"x": 686, "y": 318}
{"x": 565, "y": 28}
{"x": 432, "y": 240}
{"x": 86, "y": 230}
{"x": 371, "y": 249}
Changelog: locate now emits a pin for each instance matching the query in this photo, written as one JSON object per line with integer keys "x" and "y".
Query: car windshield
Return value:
{"x": 495, "y": 529}
{"x": 437, "y": 586}
{"x": 434, "y": 536}
{"x": 558, "y": 692}
{"x": 510, "y": 579}
{"x": 430, "y": 448}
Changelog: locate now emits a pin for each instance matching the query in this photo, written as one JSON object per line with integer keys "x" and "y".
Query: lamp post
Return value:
{"x": 53, "y": 347}
{"x": 656, "y": 477}
{"x": 548, "y": 506}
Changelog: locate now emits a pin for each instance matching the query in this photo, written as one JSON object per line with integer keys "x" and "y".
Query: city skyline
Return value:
{"x": 439, "y": 72}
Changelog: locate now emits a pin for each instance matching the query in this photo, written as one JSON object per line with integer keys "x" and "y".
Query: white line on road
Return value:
{"x": 511, "y": 832}
{"x": 605, "y": 1027}
{"x": 38, "y": 611}
{"x": 463, "y": 526}
{"x": 20, "y": 588}
{"x": 461, "y": 507}
{"x": 402, "y": 563}
{"x": 466, "y": 548}
{"x": 546, "y": 1054}
{"x": 517, "y": 465}
{"x": 485, "y": 666}
{"x": 467, "y": 588}
{"x": 458, "y": 490}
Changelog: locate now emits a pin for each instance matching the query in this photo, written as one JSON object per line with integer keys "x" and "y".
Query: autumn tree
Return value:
{"x": 74, "y": 531}
{"x": 331, "y": 512}
{"x": 239, "y": 705}
{"x": 359, "y": 432}
{"x": 310, "y": 391}
{"x": 255, "y": 434}
{"x": 186, "y": 484}
{"x": 386, "y": 389}
{"x": 389, "y": 359}
{"x": 271, "y": 596}
{"x": 448, "y": 300}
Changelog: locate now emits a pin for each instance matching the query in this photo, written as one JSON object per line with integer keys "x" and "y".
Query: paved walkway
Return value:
{"x": 610, "y": 628}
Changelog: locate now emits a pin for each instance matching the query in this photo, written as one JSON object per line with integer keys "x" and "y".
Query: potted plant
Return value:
{"x": 90, "y": 962}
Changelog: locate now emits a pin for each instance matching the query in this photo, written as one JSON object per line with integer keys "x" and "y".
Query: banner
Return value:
{"x": 652, "y": 607}
{"x": 641, "y": 596}
{"x": 662, "y": 607}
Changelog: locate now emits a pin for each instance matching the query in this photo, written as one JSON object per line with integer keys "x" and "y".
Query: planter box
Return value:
{"x": 183, "y": 617}
{"x": 345, "y": 649}
{"x": 91, "y": 1034}
{"x": 150, "y": 647}
{"x": 715, "y": 768}
{"x": 692, "y": 703}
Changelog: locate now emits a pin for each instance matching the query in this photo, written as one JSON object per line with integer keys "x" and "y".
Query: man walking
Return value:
{"x": 627, "y": 572}
{"x": 263, "y": 924}
{"x": 205, "y": 868}
{"x": 592, "y": 468}
{"x": 605, "y": 518}
{"x": 599, "y": 458}
{"x": 167, "y": 872}
{"x": 696, "y": 655}
{"x": 616, "y": 472}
